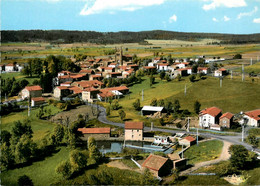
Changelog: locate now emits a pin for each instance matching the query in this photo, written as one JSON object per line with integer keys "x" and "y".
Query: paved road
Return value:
{"x": 236, "y": 139}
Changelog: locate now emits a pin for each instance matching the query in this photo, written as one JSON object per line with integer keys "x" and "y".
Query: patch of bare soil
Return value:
{"x": 120, "y": 165}
{"x": 72, "y": 115}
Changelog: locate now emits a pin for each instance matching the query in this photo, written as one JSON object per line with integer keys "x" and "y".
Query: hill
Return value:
{"x": 64, "y": 36}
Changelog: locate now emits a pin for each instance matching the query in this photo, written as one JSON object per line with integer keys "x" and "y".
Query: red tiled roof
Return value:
{"x": 116, "y": 88}
{"x": 163, "y": 64}
{"x": 10, "y": 65}
{"x": 119, "y": 73}
{"x": 64, "y": 71}
{"x": 133, "y": 65}
{"x": 255, "y": 114}
{"x": 94, "y": 130}
{"x": 86, "y": 71}
{"x": 128, "y": 55}
{"x": 213, "y": 111}
{"x": 222, "y": 69}
{"x": 96, "y": 75}
{"x": 62, "y": 87}
{"x": 109, "y": 68}
{"x": 90, "y": 89}
{"x": 33, "y": 88}
{"x": 154, "y": 162}
{"x": 38, "y": 99}
{"x": 76, "y": 90}
{"x": 182, "y": 69}
{"x": 189, "y": 138}
{"x": 134, "y": 125}
{"x": 157, "y": 58}
{"x": 75, "y": 76}
{"x": 105, "y": 93}
{"x": 65, "y": 77}
{"x": 227, "y": 115}
{"x": 148, "y": 67}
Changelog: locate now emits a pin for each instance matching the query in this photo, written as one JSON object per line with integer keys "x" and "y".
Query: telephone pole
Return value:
{"x": 231, "y": 74}
{"x": 185, "y": 90}
{"x": 197, "y": 139}
{"x": 243, "y": 74}
{"x": 143, "y": 95}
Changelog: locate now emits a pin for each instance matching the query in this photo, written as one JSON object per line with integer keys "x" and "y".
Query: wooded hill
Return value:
{"x": 63, "y": 36}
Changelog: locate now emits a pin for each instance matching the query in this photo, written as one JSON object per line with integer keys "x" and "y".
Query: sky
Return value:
{"x": 214, "y": 16}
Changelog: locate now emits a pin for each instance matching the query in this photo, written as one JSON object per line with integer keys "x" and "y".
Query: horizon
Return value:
{"x": 211, "y": 16}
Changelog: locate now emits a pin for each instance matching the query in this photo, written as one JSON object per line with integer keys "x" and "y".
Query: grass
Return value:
{"x": 41, "y": 173}
{"x": 19, "y": 76}
{"x": 205, "y": 151}
{"x": 254, "y": 177}
{"x": 40, "y": 127}
{"x": 202, "y": 180}
{"x": 129, "y": 163}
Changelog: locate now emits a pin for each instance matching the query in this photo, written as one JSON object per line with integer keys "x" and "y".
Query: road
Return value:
{"x": 236, "y": 139}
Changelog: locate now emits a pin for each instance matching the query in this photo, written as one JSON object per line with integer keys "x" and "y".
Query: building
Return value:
{"x": 37, "y": 101}
{"x": 203, "y": 70}
{"x": 209, "y": 116}
{"x": 158, "y": 165}
{"x": 87, "y": 84}
{"x": 151, "y": 111}
{"x": 226, "y": 120}
{"x": 90, "y": 94}
{"x": 253, "y": 118}
{"x": 9, "y": 67}
{"x": 163, "y": 66}
{"x": 220, "y": 72}
{"x": 187, "y": 141}
{"x": 134, "y": 131}
{"x": 178, "y": 162}
{"x": 32, "y": 91}
{"x": 161, "y": 140}
{"x": 97, "y": 133}
{"x": 61, "y": 91}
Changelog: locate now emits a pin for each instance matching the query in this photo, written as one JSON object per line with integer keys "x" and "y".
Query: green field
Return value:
{"x": 202, "y": 180}
{"x": 18, "y": 76}
{"x": 40, "y": 127}
{"x": 41, "y": 172}
{"x": 205, "y": 151}
{"x": 234, "y": 95}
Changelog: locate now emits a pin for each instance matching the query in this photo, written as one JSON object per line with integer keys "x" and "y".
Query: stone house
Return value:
{"x": 31, "y": 91}
{"x": 37, "y": 101}
{"x": 90, "y": 94}
{"x": 158, "y": 165}
{"x": 226, "y": 120}
{"x": 97, "y": 133}
{"x": 134, "y": 131}
{"x": 61, "y": 91}
{"x": 187, "y": 141}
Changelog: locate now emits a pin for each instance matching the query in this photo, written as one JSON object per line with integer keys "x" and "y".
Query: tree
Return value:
{"x": 179, "y": 77}
{"x": 252, "y": 139}
{"x": 176, "y": 106}
{"x": 237, "y": 56}
{"x": 24, "y": 181}
{"x": 168, "y": 107}
{"x": 108, "y": 110}
{"x": 197, "y": 107}
{"x": 147, "y": 178}
{"x": 192, "y": 78}
{"x": 153, "y": 102}
{"x": 115, "y": 105}
{"x": 23, "y": 83}
{"x": 194, "y": 69}
{"x": 78, "y": 159}
{"x": 20, "y": 129}
{"x": 162, "y": 75}
{"x": 137, "y": 104}
{"x": 58, "y": 133}
{"x": 5, "y": 137}
{"x": 152, "y": 79}
{"x": 94, "y": 153}
{"x": 65, "y": 169}
{"x": 238, "y": 157}
{"x": 6, "y": 158}
{"x": 167, "y": 77}
{"x": 122, "y": 114}
{"x": 160, "y": 102}
{"x": 161, "y": 121}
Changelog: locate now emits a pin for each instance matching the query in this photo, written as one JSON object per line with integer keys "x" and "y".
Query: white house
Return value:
{"x": 161, "y": 140}
{"x": 9, "y": 68}
{"x": 203, "y": 70}
{"x": 162, "y": 66}
{"x": 253, "y": 118}
{"x": 220, "y": 72}
{"x": 189, "y": 70}
{"x": 151, "y": 64}
{"x": 209, "y": 116}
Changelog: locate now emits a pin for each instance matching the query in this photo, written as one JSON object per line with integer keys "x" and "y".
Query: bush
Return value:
{"x": 65, "y": 169}
{"x": 25, "y": 181}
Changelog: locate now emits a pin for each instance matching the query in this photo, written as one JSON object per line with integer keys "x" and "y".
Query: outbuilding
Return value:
{"x": 151, "y": 110}
{"x": 97, "y": 133}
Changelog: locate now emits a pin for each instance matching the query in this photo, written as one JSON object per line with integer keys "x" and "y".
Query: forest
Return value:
{"x": 66, "y": 36}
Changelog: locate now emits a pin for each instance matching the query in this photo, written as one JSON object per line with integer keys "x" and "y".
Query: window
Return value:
{"x": 224, "y": 121}
{"x": 132, "y": 136}
{"x": 137, "y": 130}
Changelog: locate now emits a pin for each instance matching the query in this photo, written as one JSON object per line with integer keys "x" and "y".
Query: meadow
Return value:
{"x": 205, "y": 151}
{"x": 19, "y": 76}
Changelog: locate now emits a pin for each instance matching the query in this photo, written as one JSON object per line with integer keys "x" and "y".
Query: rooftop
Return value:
{"x": 94, "y": 130}
{"x": 134, "y": 125}
{"x": 227, "y": 115}
{"x": 255, "y": 114}
{"x": 152, "y": 108}
{"x": 38, "y": 99}
{"x": 154, "y": 162}
{"x": 33, "y": 88}
{"x": 213, "y": 111}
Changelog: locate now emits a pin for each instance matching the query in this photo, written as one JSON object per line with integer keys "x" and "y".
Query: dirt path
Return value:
{"x": 223, "y": 156}
{"x": 120, "y": 165}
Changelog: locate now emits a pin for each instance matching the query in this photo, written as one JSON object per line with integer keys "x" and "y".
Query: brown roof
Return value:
{"x": 148, "y": 67}
{"x": 222, "y": 69}
{"x": 33, "y": 88}
{"x": 90, "y": 89}
{"x": 89, "y": 71}
{"x": 76, "y": 90}
{"x": 38, "y": 99}
{"x": 213, "y": 111}
{"x": 134, "y": 125}
{"x": 255, "y": 114}
{"x": 62, "y": 87}
{"x": 189, "y": 138}
{"x": 154, "y": 162}
{"x": 227, "y": 115}
{"x": 174, "y": 156}
{"x": 163, "y": 64}
{"x": 109, "y": 68}
{"x": 94, "y": 130}
{"x": 11, "y": 65}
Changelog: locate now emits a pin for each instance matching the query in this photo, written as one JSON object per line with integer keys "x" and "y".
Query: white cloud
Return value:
{"x": 226, "y": 18}
{"x": 247, "y": 13}
{"x": 224, "y": 3}
{"x": 173, "y": 18}
{"x": 256, "y": 20}
{"x": 99, "y": 6}
{"x": 214, "y": 19}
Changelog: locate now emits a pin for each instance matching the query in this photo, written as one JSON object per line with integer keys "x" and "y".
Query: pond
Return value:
{"x": 117, "y": 146}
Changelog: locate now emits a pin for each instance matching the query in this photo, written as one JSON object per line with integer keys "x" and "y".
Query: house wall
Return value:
{"x": 184, "y": 142}
{"x": 180, "y": 164}
{"x": 96, "y": 136}
{"x": 166, "y": 168}
{"x": 225, "y": 122}
{"x": 57, "y": 93}
{"x": 25, "y": 93}
{"x": 36, "y": 103}
{"x": 9, "y": 68}
{"x": 252, "y": 122}
{"x": 33, "y": 94}
{"x": 134, "y": 134}
{"x": 206, "y": 120}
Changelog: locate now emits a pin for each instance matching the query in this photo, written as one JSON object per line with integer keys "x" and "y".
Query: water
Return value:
{"x": 117, "y": 146}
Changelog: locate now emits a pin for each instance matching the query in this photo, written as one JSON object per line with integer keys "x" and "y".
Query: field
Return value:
{"x": 234, "y": 95}
{"x": 18, "y": 76}
{"x": 41, "y": 172}
{"x": 172, "y": 43}
{"x": 40, "y": 127}
{"x": 205, "y": 151}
